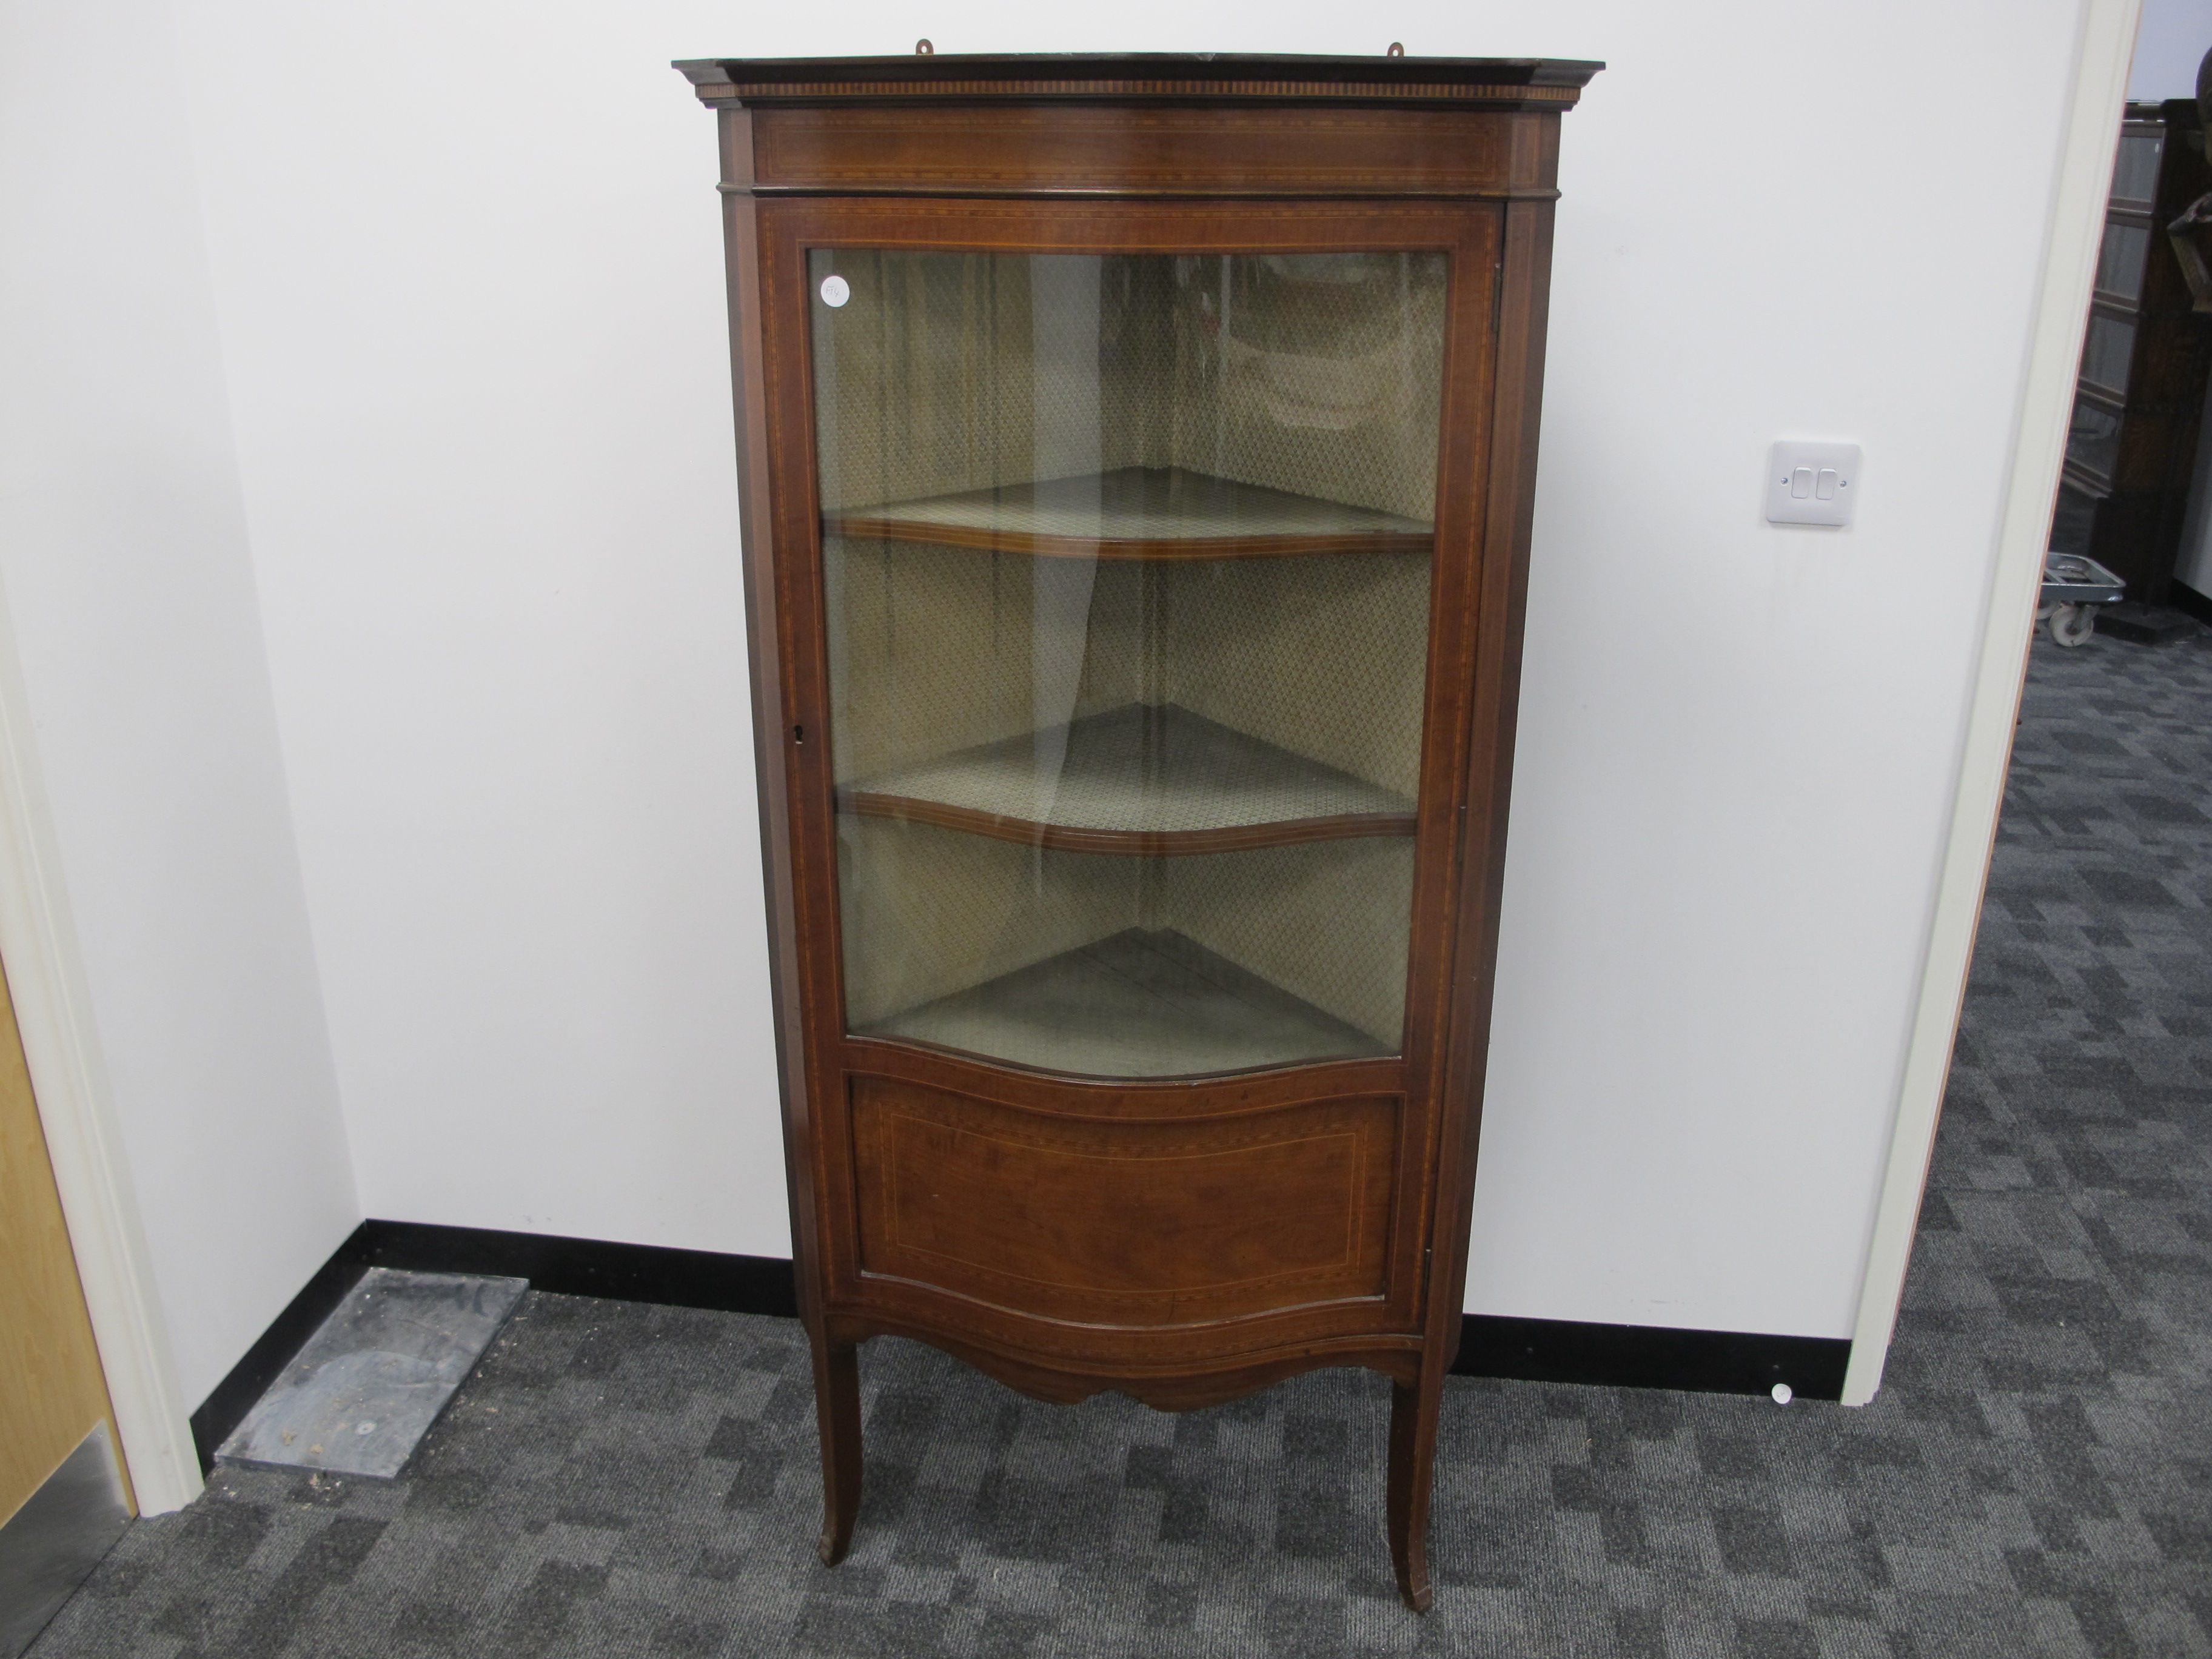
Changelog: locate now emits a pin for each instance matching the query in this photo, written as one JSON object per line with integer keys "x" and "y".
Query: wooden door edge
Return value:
{"x": 46, "y": 979}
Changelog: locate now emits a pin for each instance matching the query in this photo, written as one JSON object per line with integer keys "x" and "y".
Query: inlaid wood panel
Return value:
{"x": 1084, "y": 150}
{"x": 1124, "y": 1222}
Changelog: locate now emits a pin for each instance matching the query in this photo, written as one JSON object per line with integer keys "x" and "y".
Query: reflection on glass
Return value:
{"x": 2092, "y": 441}
{"x": 2106, "y": 353}
{"x": 2120, "y": 262}
{"x": 1127, "y": 563}
{"x": 2074, "y": 520}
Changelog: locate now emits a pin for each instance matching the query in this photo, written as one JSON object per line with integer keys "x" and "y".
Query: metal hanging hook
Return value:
{"x": 1397, "y": 49}
{"x": 923, "y": 49}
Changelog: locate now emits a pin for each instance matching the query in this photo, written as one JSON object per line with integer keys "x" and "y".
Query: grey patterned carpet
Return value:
{"x": 2036, "y": 1478}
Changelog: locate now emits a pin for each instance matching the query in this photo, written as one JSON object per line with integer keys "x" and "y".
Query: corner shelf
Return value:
{"x": 1137, "y": 513}
{"x": 1139, "y": 1003}
{"x": 1142, "y": 779}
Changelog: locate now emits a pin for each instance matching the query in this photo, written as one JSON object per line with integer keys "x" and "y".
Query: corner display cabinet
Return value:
{"x": 1136, "y": 457}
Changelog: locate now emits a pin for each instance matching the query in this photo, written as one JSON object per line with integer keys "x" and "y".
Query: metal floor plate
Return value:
{"x": 359, "y": 1398}
{"x": 58, "y": 1537}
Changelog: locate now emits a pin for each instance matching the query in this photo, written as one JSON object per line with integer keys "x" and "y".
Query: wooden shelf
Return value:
{"x": 1143, "y": 779}
{"x": 1137, "y": 513}
{"x": 1140, "y": 1003}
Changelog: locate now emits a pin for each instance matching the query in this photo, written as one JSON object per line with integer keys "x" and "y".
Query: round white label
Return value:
{"x": 836, "y": 290}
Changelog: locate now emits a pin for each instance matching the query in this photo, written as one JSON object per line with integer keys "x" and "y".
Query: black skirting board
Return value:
{"x": 1527, "y": 1350}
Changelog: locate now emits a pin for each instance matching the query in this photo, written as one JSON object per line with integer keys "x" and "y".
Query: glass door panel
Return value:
{"x": 2108, "y": 353}
{"x": 2120, "y": 262}
{"x": 1126, "y": 561}
{"x": 2135, "y": 170}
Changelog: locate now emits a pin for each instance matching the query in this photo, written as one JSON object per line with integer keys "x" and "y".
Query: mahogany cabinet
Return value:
{"x": 1136, "y": 456}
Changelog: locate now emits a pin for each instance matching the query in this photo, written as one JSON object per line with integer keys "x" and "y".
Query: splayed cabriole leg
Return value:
{"x": 837, "y": 1407}
{"x": 1412, "y": 1462}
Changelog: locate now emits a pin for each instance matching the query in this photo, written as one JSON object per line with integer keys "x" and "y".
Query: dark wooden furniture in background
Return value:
{"x": 1136, "y": 458}
{"x": 2140, "y": 395}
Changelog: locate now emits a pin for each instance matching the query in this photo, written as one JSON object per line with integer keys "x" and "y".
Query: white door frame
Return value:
{"x": 60, "y": 1045}
{"x": 2103, "y": 50}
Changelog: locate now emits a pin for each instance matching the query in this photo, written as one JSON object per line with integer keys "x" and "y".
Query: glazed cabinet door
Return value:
{"x": 1126, "y": 564}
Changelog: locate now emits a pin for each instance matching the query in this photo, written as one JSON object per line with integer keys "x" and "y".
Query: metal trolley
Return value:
{"x": 2073, "y": 588}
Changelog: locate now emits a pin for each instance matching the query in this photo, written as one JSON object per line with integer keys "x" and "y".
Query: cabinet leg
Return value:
{"x": 837, "y": 1407}
{"x": 1412, "y": 1464}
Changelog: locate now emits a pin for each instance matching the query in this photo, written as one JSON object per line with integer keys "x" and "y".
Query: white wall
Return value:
{"x": 475, "y": 337}
{"x": 2172, "y": 40}
{"x": 467, "y": 281}
{"x": 1738, "y": 741}
{"x": 136, "y": 638}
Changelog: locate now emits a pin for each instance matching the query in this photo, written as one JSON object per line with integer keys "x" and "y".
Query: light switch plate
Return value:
{"x": 1812, "y": 484}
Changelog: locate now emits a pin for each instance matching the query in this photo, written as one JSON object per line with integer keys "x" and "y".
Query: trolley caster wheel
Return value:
{"x": 2073, "y": 624}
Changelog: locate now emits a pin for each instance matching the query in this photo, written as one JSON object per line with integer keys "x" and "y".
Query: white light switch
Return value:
{"x": 1812, "y": 484}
